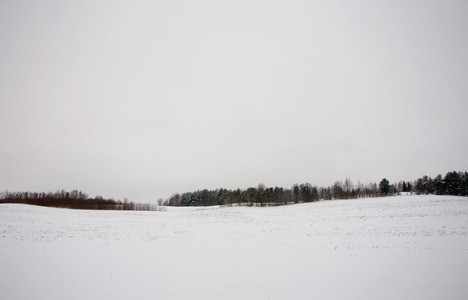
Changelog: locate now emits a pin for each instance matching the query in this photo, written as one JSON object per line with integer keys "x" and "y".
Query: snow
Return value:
{"x": 406, "y": 247}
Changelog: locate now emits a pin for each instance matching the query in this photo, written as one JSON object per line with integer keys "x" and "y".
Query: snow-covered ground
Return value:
{"x": 407, "y": 247}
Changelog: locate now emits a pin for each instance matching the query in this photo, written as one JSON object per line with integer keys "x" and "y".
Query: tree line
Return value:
{"x": 73, "y": 200}
{"x": 454, "y": 183}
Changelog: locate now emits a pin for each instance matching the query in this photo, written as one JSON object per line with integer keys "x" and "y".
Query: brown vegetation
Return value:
{"x": 74, "y": 200}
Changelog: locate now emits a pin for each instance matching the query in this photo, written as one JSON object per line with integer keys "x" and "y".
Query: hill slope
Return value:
{"x": 407, "y": 247}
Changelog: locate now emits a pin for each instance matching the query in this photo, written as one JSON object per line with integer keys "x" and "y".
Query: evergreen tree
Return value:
{"x": 384, "y": 187}
{"x": 453, "y": 183}
{"x": 306, "y": 192}
{"x": 296, "y": 193}
{"x": 439, "y": 185}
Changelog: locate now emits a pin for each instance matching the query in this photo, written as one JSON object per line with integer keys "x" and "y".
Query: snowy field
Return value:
{"x": 407, "y": 247}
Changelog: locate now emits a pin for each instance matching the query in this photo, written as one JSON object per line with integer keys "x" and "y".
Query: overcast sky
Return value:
{"x": 141, "y": 99}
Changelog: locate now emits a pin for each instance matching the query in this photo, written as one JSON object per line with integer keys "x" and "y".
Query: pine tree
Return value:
{"x": 384, "y": 187}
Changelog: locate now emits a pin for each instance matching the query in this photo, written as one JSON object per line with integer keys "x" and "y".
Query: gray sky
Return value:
{"x": 141, "y": 99}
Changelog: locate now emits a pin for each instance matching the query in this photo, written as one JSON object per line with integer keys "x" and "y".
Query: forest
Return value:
{"x": 453, "y": 183}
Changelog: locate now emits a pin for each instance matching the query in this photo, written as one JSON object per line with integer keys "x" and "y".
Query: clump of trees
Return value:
{"x": 74, "y": 200}
{"x": 452, "y": 184}
{"x": 273, "y": 196}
